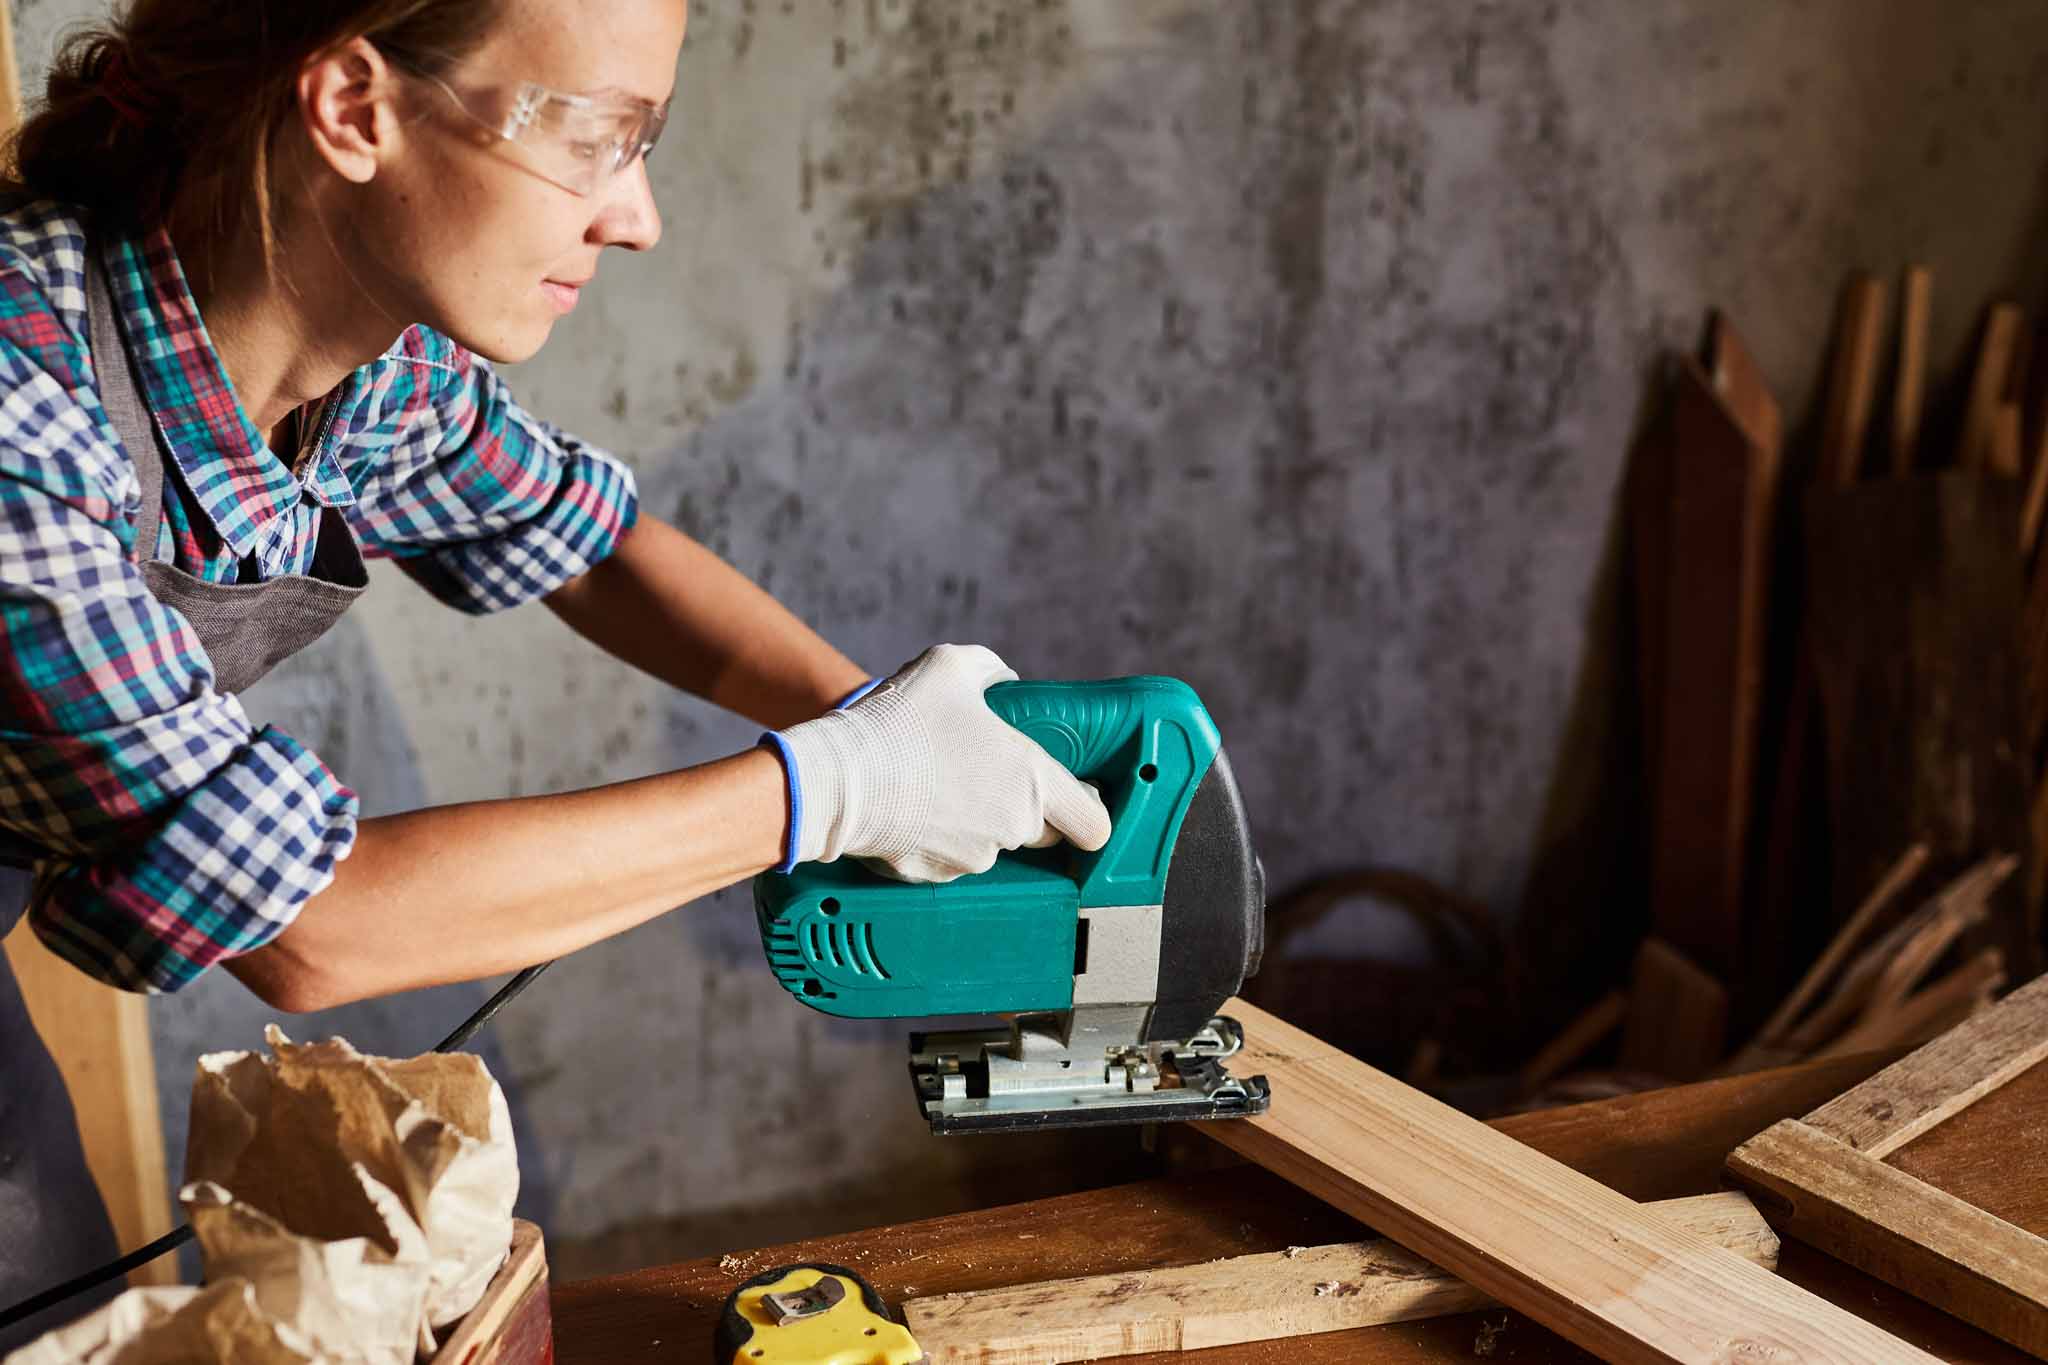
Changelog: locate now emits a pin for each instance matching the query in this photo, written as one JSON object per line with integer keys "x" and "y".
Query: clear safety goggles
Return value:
{"x": 578, "y": 142}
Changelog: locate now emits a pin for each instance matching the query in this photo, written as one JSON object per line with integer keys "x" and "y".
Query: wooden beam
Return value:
{"x": 1578, "y": 1257}
{"x": 1909, "y": 385}
{"x": 1291, "y": 1293}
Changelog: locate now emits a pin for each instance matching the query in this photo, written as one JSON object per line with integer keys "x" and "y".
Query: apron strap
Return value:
{"x": 121, "y": 396}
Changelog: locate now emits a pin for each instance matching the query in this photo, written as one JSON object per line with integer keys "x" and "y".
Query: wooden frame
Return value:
{"x": 512, "y": 1324}
{"x": 1825, "y": 1179}
{"x": 1583, "y": 1259}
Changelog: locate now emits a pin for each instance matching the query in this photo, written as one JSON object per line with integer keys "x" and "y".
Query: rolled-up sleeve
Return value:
{"x": 478, "y": 500}
{"x": 169, "y": 832}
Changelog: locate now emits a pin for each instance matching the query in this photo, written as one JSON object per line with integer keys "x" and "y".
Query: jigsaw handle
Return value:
{"x": 1146, "y": 743}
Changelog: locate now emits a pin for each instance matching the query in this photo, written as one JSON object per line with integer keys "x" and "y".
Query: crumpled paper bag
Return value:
{"x": 172, "y": 1324}
{"x": 359, "y": 1300}
{"x": 409, "y": 1162}
{"x": 344, "y": 1205}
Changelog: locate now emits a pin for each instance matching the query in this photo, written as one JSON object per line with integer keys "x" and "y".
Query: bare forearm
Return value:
{"x": 459, "y": 892}
{"x": 671, "y": 607}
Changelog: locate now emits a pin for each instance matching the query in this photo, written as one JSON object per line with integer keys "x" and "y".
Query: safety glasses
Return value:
{"x": 578, "y": 142}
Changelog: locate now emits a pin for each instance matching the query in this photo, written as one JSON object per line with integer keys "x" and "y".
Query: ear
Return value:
{"x": 348, "y": 105}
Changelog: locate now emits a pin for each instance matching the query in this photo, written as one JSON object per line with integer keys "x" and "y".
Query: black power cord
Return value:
{"x": 182, "y": 1234}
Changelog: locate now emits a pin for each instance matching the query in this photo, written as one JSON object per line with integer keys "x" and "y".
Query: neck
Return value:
{"x": 285, "y": 338}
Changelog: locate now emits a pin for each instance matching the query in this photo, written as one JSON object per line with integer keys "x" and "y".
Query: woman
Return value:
{"x": 254, "y": 266}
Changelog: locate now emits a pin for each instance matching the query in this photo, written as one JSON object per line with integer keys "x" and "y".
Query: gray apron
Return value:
{"x": 52, "y": 1223}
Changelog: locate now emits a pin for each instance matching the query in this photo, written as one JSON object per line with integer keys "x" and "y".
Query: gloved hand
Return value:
{"x": 921, "y": 779}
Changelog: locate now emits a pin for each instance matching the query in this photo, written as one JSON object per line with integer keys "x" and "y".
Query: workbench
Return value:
{"x": 1657, "y": 1145}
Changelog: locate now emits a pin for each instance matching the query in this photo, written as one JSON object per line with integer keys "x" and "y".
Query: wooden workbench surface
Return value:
{"x": 1659, "y": 1145}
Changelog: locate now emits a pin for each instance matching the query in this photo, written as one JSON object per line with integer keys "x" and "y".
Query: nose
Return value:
{"x": 629, "y": 217}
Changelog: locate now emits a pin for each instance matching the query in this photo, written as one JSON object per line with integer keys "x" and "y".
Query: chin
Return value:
{"x": 506, "y": 346}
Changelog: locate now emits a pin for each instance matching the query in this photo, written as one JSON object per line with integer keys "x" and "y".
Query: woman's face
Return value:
{"x": 494, "y": 250}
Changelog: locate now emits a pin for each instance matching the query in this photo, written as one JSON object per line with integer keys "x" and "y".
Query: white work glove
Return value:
{"x": 926, "y": 783}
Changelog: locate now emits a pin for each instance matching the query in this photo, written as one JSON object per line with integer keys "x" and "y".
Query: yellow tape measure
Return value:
{"x": 811, "y": 1314}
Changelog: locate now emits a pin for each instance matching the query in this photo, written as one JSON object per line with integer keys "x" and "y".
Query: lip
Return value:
{"x": 564, "y": 293}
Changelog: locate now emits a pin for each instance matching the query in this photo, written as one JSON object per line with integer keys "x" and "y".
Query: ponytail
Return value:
{"x": 179, "y": 101}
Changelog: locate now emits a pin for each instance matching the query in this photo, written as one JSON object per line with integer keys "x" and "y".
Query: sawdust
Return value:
{"x": 732, "y": 1264}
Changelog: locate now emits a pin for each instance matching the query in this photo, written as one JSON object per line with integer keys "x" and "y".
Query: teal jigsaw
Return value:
{"x": 1106, "y": 968}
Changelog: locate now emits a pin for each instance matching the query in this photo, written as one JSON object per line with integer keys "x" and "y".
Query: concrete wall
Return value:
{"x": 1290, "y": 347}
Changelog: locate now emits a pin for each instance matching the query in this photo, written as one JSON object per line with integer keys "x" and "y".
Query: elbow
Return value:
{"x": 286, "y": 982}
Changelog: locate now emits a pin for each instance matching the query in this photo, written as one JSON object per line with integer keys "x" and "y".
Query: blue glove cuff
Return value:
{"x": 774, "y": 741}
{"x": 851, "y": 697}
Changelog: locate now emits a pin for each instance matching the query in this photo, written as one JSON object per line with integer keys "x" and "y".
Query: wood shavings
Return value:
{"x": 1326, "y": 1288}
{"x": 1293, "y": 1252}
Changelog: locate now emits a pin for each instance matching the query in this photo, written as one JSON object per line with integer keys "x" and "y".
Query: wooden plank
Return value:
{"x": 99, "y": 1038}
{"x": 1723, "y": 504}
{"x": 1297, "y": 1292}
{"x": 1909, "y": 385}
{"x": 1852, "y": 380}
{"x": 1578, "y": 1257}
{"x": 1900, "y": 1229}
{"x": 1740, "y": 383}
{"x": 1940, "y": 1080}
{"x": 1988, "y": 384}
{"x": 1912, "y": 591}
{"x": 1678, "y": 1016}
{"x": 511, "y": 1324}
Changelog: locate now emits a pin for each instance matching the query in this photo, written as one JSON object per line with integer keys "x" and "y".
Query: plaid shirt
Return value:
{"x": 175, "y": 832}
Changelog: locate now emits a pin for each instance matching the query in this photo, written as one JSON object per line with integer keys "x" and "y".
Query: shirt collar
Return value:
{"x": 239, "y": 483}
